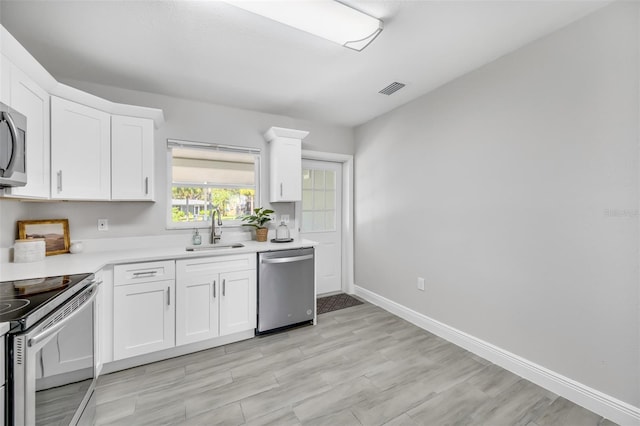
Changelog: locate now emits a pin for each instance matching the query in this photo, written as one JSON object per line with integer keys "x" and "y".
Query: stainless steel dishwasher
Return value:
{"x": 286, "y": 289}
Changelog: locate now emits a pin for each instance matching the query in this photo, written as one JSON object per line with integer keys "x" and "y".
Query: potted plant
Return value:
{"x": 258, "y": 220}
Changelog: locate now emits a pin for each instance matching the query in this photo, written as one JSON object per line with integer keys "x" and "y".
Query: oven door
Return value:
{"x": 53, "y": 365}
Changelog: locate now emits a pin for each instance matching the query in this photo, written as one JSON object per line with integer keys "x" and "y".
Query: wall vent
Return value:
{"x": 392, "y": 88}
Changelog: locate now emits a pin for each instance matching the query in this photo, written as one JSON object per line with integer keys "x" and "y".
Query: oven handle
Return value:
{"x": 14, "y": 135}
{"x": 54, "y": 329}
{"x": 288, "y": 259}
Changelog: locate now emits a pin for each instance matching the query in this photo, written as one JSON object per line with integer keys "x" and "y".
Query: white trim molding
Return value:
{"x": 583, "y": 395}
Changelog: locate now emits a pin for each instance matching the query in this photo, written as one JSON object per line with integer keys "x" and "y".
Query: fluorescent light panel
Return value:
{"x": 328, "y": 19}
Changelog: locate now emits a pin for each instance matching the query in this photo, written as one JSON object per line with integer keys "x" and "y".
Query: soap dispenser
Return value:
{"x": 197, "y": 238}
{"x": 282, "y": 232}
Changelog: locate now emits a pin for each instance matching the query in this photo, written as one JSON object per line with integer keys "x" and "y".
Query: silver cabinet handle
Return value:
{"x": 168, "y": 296}
{"x": 59, "y": 180}
{"x": 146, "y": 186}
{"x": 144, "y": 274}
{"x": 288, "y": 259}
{"x": 224, "y": 287}
{"x": 214, "y": 289}
{"x": 281, "y": 189}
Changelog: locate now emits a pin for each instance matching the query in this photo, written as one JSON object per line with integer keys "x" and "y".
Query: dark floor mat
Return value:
{"x": 335, "y": 302}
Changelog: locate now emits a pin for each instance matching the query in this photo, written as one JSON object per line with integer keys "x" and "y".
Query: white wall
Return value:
{"x": 514, "y": 192}
{"x": 187, "y": 120}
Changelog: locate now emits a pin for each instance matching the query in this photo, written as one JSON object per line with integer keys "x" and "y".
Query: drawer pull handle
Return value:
{"x": 144, "y": 274}
{"x": 214, "y": 289}
{"x": 168, "y": 296}
{"x": 146, "y": 186}
{"x": 224, "y": 287}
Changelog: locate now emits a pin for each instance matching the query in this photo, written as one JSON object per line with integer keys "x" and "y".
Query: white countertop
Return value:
{"x": 91, "y": 262}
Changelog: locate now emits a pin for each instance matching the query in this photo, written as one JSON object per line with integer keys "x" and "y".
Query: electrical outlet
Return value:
{"x": 285, "y": 218}
{"x": 420, "y": 283}
{"x": 103, "y": 224}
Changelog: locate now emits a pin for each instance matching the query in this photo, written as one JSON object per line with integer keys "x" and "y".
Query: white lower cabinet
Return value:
{"x": 238, "y": 302}
{"x": 144, "y": 319}
{"x": 215, "y": 296}
{"x": 143, "y": 308}
{"x": 197, "y": 307}
{"x": 159, "y": 305}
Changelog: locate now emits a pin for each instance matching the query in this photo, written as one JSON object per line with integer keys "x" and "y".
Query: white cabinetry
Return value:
{"x": 238, "y": 302}
{"x": 29, "y": 99}
{"x": 285, "y": 164}
{"x": 131, "y": 158}
{"x": 144, "y": 308}
{"x": 80, "y": 152}
{"x": 216, "y": 296}
{"x": 5, "y": 80}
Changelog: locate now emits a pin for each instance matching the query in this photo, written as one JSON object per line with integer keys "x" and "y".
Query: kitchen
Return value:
{"x": 550, "y": 208}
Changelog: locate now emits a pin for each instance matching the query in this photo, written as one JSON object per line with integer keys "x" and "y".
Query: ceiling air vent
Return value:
{"x": 392, "y": 88}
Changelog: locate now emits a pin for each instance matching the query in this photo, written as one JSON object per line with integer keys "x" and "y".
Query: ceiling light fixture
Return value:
{"x": 328, "y": 19}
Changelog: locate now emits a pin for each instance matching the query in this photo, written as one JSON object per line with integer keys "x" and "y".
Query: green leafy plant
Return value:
{"x": 258, "y": 219}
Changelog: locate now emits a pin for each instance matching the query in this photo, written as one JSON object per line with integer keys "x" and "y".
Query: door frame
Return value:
{"x": 347, "y": 211}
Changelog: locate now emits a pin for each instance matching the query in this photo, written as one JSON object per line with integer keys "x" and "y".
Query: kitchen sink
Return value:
{"x": 214, "y": 247}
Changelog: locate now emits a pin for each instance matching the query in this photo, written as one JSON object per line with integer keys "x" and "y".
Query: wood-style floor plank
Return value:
{"x": 358, "y": 366}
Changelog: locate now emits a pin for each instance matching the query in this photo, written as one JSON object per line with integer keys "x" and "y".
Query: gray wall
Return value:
{"x": 184, "y": 120}
{"x": 514, "y": 192}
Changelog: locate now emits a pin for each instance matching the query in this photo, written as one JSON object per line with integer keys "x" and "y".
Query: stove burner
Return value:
{"x": 11, "y": 305}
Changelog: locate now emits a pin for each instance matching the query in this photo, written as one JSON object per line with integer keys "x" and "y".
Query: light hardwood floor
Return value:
{"x": 360, "y": 365}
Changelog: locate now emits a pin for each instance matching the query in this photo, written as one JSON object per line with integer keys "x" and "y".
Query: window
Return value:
{"x": 205, "y": 177}
{"x": 318, "y": 200}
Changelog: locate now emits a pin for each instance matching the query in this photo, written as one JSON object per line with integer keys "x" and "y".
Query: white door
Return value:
{"x": 131, "y": 158}
{"x": 145, "y": 318}
{"x": 80, "y": 152}
{"x": 196, "y": 307}
{"x": 321, "y": 220}
{"x": 237, "y": 301}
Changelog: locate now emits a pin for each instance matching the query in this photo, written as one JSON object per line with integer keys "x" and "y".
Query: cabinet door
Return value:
{"x": 144, "y": 318}
{"x": 5, "y": 80}
{"x": 32, "y": 101}
{"x": 286, "y": 170}
{"x": 80, "y": 152}
{"x": 131, "y": 158}
{"x": 197, "y": 308}
{"x": 237, "y": 301}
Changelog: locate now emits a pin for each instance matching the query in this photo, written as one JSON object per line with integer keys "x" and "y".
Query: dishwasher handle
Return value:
{"x": 288, "y": 259}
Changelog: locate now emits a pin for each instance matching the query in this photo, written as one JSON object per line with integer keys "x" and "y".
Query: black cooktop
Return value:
{"x": 24, "y": 302}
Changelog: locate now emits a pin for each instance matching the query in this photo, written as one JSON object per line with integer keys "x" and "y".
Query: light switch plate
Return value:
{"x": 420, "y": 283}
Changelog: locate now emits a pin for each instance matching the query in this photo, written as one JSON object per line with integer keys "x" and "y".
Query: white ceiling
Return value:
{"x": 214, "y": 52}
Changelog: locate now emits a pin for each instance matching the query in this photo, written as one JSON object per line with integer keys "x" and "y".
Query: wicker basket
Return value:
{"x": 261, "y": 234}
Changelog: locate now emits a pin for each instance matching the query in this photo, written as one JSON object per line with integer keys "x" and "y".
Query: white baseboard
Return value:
{"x": 123, "y": 364}
{"x": 585, "y": 396}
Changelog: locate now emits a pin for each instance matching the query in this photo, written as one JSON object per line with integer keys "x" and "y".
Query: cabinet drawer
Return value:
{"x": 134, "y": 273}
{"x": 213, "y": 264}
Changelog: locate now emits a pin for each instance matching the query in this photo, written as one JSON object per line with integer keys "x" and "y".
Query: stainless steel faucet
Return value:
{"x": 215, "y": 235}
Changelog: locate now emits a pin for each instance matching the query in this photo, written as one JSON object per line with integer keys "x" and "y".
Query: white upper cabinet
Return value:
{"x": 32, "y": 101}
{"x": 285, "y": 164}
{"x": 131, "y": 158}
{"x": 80, "y": 152}
{"x": 5, "y": 83}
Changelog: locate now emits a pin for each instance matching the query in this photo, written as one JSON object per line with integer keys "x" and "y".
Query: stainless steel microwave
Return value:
{"x": 13, "y": 154}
